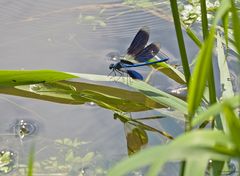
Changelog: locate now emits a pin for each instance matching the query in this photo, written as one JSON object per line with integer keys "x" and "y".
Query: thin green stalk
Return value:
{"x": 211, "y": 83}
{"x": 194, "y": 37}
{"x": 180, "y": 39}
{"x": 204, "y": 19}
{"x": 31, "y": 161}
{"x": 183, "y": 52}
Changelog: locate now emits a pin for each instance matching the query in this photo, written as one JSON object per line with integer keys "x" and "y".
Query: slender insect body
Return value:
{"x": 139, "y": 53}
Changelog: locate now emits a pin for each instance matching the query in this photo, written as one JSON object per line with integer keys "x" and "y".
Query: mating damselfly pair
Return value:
{"x": 140, "y": 54}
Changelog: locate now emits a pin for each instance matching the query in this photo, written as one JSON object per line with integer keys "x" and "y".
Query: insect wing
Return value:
{"x": 134, "y": 75}
{"x": 139, "y": 42}
{"x": 148, "y": 53}
{"x": 126, "y": 62}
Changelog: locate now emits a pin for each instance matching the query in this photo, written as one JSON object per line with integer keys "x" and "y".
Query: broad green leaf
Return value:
{"x": 159, "y": 96}
{"x": 193, "y": 146}
{"x": 151, "y": 92}
{"x": 79, "y": 93}
{"x": 111, "y": 102}
{"x": 216, "y": 109}
{"x": 196, "y": 167}
{"x": 26, "y": 77}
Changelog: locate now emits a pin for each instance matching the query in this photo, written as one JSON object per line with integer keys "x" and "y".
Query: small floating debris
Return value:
{"x": 7, "y": 161}
{"x": 23, "y": 128}
{"x": 91, "y": 103}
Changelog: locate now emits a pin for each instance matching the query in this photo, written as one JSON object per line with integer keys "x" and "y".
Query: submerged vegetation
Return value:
{"x": 212, "y": 125}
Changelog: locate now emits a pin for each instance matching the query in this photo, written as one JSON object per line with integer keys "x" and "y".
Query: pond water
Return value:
{"x": 76, "y": 36}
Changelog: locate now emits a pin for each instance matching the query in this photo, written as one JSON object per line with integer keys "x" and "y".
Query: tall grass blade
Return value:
{"x": 211, "y": 83}
{"x": 200, "y": 75}
{"x": 233, "y": 102}
{"x": 194, "y": 37}
{"x": 31, "y": 161}
{"x": 203, "y": 65}
{"x": 225, "y": 21}
{"x": 180, "y": 39}
{"x": 236, "y": 26}
{"x": 203, "y": 143}
{"x": 233, "y": 123}
{"x": 204, "y": 19}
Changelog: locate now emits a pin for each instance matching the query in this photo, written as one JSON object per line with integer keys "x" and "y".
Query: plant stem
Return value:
{"x": 180, "y": 39}
{"x": 211, "y": 83}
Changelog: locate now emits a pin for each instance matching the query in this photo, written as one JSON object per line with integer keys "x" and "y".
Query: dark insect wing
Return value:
{"x": 134, "y": 75}
{"x": 148, "y": 53}
{"x": 139, "y": 42}
{"x": 126, "y": 62}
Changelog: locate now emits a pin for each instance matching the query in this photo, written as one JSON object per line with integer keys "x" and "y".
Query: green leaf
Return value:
{"x": 136, "y": 137}
{"x": 200, "y": 74}
{"x": 69, "y": 93}
{"x": 151, "y": 92}
{"x": 225, "y": 78}
{"x": 225, "y": 21}
{"x": 236, "y": 26}
{"x": 233, "y": 123}
{"x": 31, "y": 162}
{"x": 194, "y": 146}
{"x": 25, "y": 77}
{"x": 159, "y": 96}
{"x": 196, "y": 167}
{"x": 194, "y": 37}
{"x": 69, "y": 157}
{"x": 170, "y": 71}
{"x": 180, "y": 39}
{"x": 88, "y": 158}
{"x": 216, "y": 109}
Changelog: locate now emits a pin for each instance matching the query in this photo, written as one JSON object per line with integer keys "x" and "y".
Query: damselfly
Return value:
{"x": 139, "y": 53}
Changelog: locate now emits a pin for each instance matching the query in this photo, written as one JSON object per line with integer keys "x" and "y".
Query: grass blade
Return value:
{"x": 204, "y": 19}
{"x": 216, "y": 109}
{"x": 31, "y": 161}
{"x": 180, "y": 39}
{"x": 200, "y": 75}
{"x": 194, "y": 37}
{"x": 236, "y": 26}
